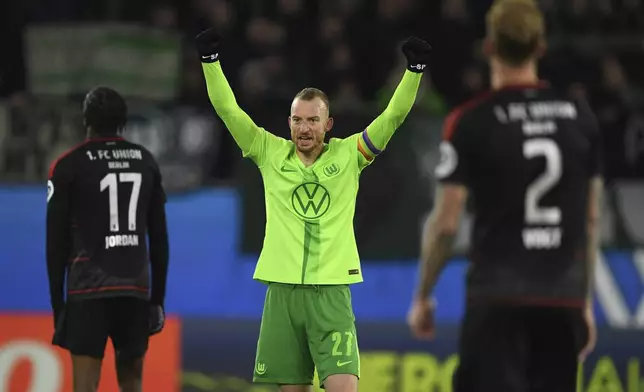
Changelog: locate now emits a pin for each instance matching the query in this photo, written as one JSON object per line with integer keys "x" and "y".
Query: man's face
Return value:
{"x": 309, "y": 121}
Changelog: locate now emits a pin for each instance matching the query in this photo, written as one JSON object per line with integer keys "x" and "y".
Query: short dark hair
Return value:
{"x": 105, "y": 111}
{"x": 310, "y": 93}
{"x": 517, "y": 29}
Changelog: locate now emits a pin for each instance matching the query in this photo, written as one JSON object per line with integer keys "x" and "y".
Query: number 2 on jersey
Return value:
{"x": 535, "y": 215}
{"x": 110, "y": 183}
{"x": 542, "y": 237}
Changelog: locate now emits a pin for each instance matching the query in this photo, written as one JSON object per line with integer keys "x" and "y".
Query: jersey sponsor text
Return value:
{"x": 539, "y": 110}
{"x": 130, "y": 153}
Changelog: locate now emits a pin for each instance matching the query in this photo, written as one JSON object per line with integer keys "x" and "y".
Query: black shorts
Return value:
{"x": 85, "y": 325}
{"x": 519, "y": 349}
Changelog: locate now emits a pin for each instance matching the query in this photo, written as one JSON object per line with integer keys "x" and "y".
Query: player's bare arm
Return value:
{"x": 59, "y": 242}
{"x": 438, "y": 237}
{"x": 375, "y": 138}
{"x": 240, "y": 125}
{"x": 594, "y": 215}
{"x": 441, "y": 227}
{"x": 437, "y": 242}
{"x": 592, "y": 253}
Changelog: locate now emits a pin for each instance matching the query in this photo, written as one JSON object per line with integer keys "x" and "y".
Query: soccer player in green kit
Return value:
{"x": 309, "y": 257}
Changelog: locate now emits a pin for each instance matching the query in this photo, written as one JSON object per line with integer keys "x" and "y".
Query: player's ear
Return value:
{"x": 329, "y": 124}
{"x": 289, "y": 121}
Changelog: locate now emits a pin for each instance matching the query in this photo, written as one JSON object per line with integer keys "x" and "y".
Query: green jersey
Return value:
{"x": 309, "y": 236}
{"x": 309, "y": 212}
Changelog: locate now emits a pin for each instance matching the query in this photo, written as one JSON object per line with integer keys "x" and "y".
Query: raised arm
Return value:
{"x": 374, "y": 139}
{"x": 240, "y": 125}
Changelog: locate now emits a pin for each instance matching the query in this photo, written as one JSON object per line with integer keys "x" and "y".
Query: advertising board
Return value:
{"x": 209, "y": 277}
{"x": 218, "y": 356}
{"x": 29, "y": 363}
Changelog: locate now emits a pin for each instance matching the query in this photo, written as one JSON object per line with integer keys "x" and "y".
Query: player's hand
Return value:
{"x": 207, "y": 43}
{"x": 421, "y": 319}
{"x": 418, "y": 54}
{"x": 589, "y": 318}
{"x": 157, "y": 319}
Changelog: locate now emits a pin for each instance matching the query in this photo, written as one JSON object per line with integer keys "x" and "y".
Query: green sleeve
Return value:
{"x": 375, "y": 138}
{"x": 240, "y": 125}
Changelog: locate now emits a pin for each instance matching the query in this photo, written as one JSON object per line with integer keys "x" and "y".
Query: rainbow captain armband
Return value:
{"x": 366, "y": 146}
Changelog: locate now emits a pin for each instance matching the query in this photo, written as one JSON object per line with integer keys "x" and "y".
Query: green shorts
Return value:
{"x": 306, "y": 328}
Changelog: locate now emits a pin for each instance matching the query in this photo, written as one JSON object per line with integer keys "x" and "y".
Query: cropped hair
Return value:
{"x": 517, "y": 28}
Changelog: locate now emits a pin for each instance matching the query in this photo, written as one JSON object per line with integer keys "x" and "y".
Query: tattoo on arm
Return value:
{"x": 592, "y": 250}
{"x": 436, "y": 250}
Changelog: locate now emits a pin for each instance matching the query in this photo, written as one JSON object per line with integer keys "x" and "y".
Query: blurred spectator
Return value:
{"x": 351, "y": 49}
{"x": 337, "y": 69}
{"x": 193, "y": 89}
{"x": 451, "y": 59}
{"x": 219, "y": 14}
{"x": 376, "y": 43}
{"x": 331, "y": 30}
{"x": 577, "y": 16}
{"x": 254, "y": 82}
{"x": 473, "y": 82}
{"x": 163, "y": 17}
{"x": 264, "y": 36}
{"x": 290, "y": 8}
{"x": 612, "y": 102}
{"x": 345, "y": 98}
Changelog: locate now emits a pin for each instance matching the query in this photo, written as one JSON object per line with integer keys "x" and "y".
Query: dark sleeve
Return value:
{"x": 58, "y": 238}
{"x": 158, "y": 237}
{"x": 454, "y": 158}
{"x": 593, "y": 132}
{"x": 596, "y": 157}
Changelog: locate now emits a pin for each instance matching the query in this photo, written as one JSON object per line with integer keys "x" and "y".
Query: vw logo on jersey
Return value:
{"x": 311, "y": 200}
{"x": 331, "y": 170}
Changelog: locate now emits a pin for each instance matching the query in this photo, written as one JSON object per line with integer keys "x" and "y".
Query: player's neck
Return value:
{"x": 309, "y": 158}
{"x": 95, "y": 135}
{"x": 504, "y": 76}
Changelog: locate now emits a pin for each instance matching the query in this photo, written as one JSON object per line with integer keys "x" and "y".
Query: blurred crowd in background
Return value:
{"x": 350, "y": 49}
{"x": 53, "y": 51}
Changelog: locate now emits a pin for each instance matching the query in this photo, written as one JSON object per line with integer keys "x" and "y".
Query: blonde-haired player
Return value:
{"x": 530, "y": 157}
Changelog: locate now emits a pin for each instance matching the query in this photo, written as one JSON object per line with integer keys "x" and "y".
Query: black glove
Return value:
{"x": 157, "y": 319}
{"x": 417, "y": 53}
{"x": 207, "y": 43}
